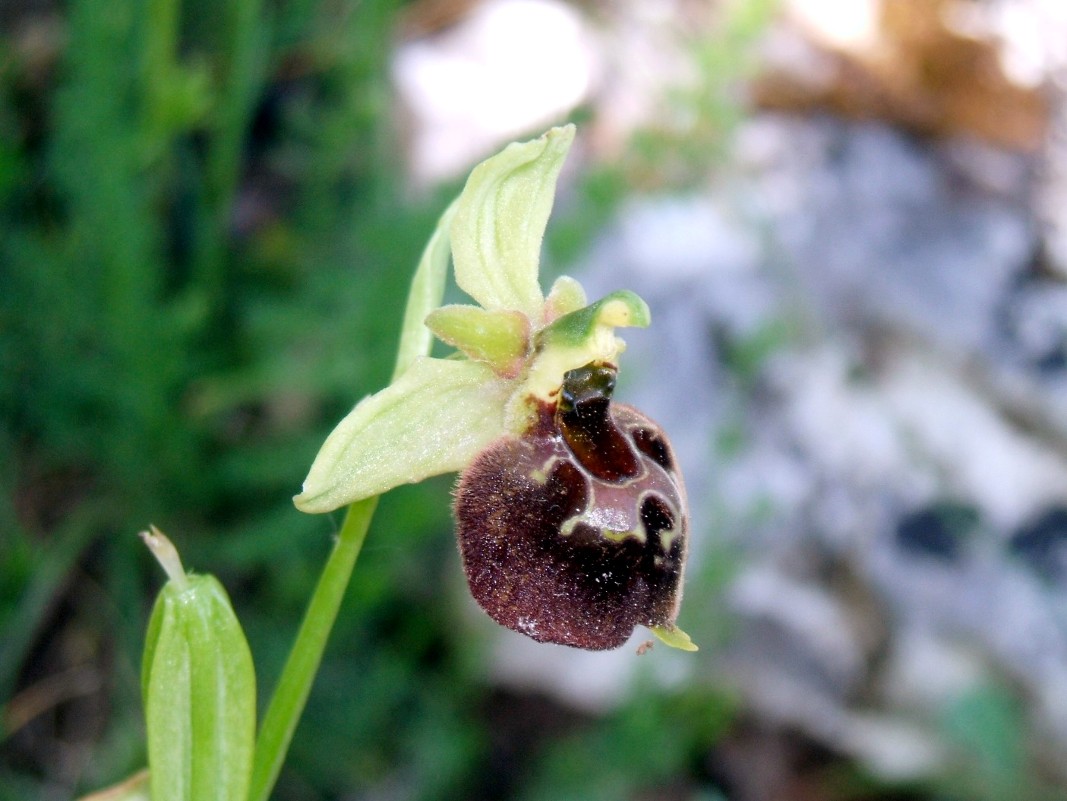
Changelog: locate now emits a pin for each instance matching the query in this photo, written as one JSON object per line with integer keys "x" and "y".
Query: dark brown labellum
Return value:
{"x": 576, "y": 532}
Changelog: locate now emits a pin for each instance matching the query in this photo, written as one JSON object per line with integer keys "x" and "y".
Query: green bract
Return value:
{"x": 518, "y": 344}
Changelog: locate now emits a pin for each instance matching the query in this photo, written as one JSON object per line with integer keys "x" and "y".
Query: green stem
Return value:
{"x": 291, "y": 692}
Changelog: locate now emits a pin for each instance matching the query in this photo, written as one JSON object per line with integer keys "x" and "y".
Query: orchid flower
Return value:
{"x": 571, "y": 511}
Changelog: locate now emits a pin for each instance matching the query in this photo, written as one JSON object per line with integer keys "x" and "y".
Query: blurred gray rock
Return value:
{"x": 881, "y": 229}
{"x": 923, "y": 371}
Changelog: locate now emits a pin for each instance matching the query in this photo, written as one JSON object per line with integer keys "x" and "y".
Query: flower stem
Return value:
{"x": 291, "y": 692}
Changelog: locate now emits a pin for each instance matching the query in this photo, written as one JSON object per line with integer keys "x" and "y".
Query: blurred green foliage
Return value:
{"x": 640, "y": 750}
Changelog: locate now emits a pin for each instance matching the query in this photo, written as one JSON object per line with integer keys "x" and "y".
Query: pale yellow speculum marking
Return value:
{"x": 609, "y": 534}
{"x": 619, "y": 536}
{"x": 666, "y": 538}
{"x": 540, "y": 475}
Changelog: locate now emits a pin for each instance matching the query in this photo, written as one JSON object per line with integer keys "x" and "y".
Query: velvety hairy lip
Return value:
{"x": 575, "y": 532}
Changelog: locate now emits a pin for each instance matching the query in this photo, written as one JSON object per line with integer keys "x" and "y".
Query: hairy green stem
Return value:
{"x": 291, "y": 693}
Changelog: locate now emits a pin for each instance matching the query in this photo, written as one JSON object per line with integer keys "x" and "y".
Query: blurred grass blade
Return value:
{"x": 52, "y": 570}
{"x": 243, "y": 39}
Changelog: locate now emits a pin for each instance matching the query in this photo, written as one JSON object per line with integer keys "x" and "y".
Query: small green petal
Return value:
{"x": 500, "y": 221}
{"x": 622, "y": 308}
{"x": 575, "y": 340}
{"x": 674, "y": 637}
{"x": 431, "y": 420}
{"x": 566, "y": 296}
{"x": 498, "y": 338}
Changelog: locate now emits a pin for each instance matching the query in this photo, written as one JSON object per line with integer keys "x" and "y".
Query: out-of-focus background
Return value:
{"x": 850, "y": 222}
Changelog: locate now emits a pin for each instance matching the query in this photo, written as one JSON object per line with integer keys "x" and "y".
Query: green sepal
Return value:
{"x": 500, "y": 338}
{"x": 200, "y": 695}
{"x": 433, "y": 419}
{"x": 674, "y": 637}
{"x": 500, "y": 221}
{"x": 427, "y": 290}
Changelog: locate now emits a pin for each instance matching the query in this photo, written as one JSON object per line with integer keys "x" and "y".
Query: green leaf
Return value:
{"x": 500, "y": 222}
{"x": 167, "y": 556}
{"x": 427, "y": 290}
{"x": 501, "y": 339}
{"x": 431, "y": 420}
{"x": 155, "y": 624}
{"x": 200, "y": 696}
